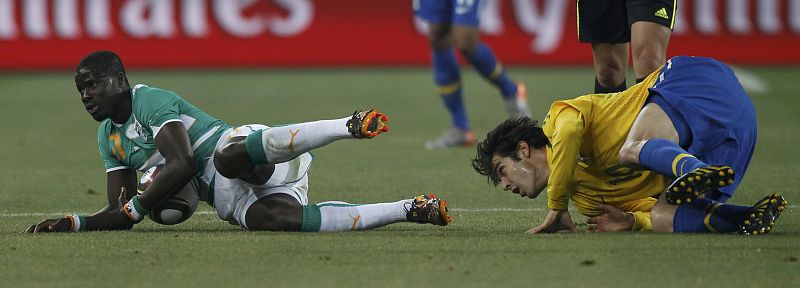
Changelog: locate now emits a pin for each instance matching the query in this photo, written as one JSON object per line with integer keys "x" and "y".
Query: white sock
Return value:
{"x": 341, "y": 216}
{"x": 284, "y": 143}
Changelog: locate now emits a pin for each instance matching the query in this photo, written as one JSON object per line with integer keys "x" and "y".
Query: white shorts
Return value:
{"x": 232, "y": 197}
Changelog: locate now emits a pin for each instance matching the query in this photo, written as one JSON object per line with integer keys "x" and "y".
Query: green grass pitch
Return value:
{"x": 49, "y": 166}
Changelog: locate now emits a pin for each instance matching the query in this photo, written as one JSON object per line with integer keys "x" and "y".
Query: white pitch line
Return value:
{"x": 58, "y": 214}
{"x": 480, "y": 210}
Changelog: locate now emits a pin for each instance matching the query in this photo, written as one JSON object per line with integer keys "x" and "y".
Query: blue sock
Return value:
{"x": 667, "y": 158}
{"x": 485, "y": 62}
{"x": 703, "y": 215}
{"x": 447, "y": 76}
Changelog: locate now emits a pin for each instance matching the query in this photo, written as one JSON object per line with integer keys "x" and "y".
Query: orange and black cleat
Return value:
{"x": 367, "y": 123}
{"x": 429, "y": 209}
{"x": 701, "y": 180}
{"x": 763, "y": 215}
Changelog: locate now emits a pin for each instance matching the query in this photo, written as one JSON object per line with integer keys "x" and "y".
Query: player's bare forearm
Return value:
{"x": 173, "y": 143}
{"x": 115, "y": 181}
{"x": 110, "y": 220}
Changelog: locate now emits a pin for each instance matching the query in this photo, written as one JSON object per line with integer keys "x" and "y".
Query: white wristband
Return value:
{"x": 134, "y": 210}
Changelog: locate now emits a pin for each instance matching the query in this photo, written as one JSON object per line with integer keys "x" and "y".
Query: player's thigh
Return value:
{"x": 649, "y": 36}
{"x": 273, "y": 208}
{"x": 652, "y": 122}
{"x": 602, "y": 21}
{"x": 275, "y": 212}
{"x": 649, "y": 47}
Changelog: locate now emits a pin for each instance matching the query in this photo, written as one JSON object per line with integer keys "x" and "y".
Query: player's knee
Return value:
{"x": 648, "y": 60}
{"x": 610, "y": 75}
{"x": 225, "y": 160}
{"x": 629, "y": 153}
{"x": 466, "y": 43}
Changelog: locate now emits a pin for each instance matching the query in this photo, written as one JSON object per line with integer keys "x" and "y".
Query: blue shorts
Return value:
{"x": 715, "y": 119}
{"x": 463, "y": 13}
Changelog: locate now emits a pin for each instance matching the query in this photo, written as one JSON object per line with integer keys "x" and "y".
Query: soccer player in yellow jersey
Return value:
{"x": 663, "y": 155}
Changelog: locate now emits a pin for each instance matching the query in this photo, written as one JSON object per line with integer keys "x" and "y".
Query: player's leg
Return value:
{"x": 466, "y": 37}
{"x": 705, "y": 215}
{"x": 446, "y": 72}
{"x": 654, "y": 142}
{"x": 610, "y": 63}
{"x": 239, "y": 156}
{"x": 649, "y": 46}
{"x": 467, "y": 40}
{"x": 604, "y": 24}
{"x": 335, "y": 216}
{"x": 285, "y": 208}
{"x": 651, "y": 26}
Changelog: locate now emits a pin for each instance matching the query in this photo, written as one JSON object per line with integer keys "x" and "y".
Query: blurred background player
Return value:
{"x": 453, "y": 24}
{"x": 257, "y": 174}
{"x": 614, "y": 27}
{"x": 689, "y": 120}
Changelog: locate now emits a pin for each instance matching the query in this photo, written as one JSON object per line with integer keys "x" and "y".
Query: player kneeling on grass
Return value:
{"x": 257, "y": 175}
{"x": 689, "y": 124}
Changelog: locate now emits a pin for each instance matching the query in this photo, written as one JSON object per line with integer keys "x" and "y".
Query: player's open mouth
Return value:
{"x": 91, "y": 109}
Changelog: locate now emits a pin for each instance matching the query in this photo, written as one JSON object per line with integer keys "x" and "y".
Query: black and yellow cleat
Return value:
{"x": 429, "y": 209}
{"x": 763, "y": 215}
{"x": 701, "y": 180}
{"x": 367, "y": 123}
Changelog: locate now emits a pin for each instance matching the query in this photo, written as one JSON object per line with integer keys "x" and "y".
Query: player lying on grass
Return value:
{"x": 256, "y": 174}
{"x": 689, "y": 120}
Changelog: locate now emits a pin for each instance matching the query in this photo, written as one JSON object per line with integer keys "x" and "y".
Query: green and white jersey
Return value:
{"x": 132, "y": 144}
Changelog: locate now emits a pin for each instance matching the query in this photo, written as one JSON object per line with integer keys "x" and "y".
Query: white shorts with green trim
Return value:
{"x": 232, "y": 197}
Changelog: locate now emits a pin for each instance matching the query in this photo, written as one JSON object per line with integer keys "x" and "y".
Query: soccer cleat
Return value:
{"x": 367, "y": 123}
{"x": 701, "y": 180}
{"x": 428, "y": 209}
{"x": 763, "y": 215}
{"x": 453, "y": 137}
{"x": 518, "y": 105}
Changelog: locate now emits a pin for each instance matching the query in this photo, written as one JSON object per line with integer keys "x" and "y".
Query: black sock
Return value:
{"x": 599, "y": 89}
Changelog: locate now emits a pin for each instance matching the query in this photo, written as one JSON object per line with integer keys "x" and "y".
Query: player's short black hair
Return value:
{"x": 502, "y": 141}
{"x": 105, "y": 62}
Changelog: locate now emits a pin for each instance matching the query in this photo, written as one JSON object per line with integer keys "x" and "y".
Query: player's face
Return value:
{"x": 526, "y": 177}
{"x": 100, "y": 92}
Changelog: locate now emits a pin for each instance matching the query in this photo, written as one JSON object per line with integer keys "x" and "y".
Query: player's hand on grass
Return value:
{"x": 612, "y": 220}
{"x": 49, "y": 225}
{"x": 555, "y": 221}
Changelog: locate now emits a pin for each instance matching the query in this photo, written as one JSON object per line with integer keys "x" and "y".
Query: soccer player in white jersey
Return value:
{"x": 256, "y": 174}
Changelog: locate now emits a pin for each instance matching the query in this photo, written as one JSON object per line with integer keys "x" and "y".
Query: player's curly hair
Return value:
{"x": 102, "y": 61}
{"x": 502, "y": 141}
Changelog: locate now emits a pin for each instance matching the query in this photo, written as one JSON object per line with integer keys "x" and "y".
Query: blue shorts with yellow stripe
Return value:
{"x": 714, "y": 117}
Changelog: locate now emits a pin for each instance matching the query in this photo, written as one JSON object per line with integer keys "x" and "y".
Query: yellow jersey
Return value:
{"x": 586, "y": 134}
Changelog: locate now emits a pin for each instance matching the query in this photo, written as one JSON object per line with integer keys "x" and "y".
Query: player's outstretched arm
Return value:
{"x": 108, "y": 218}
